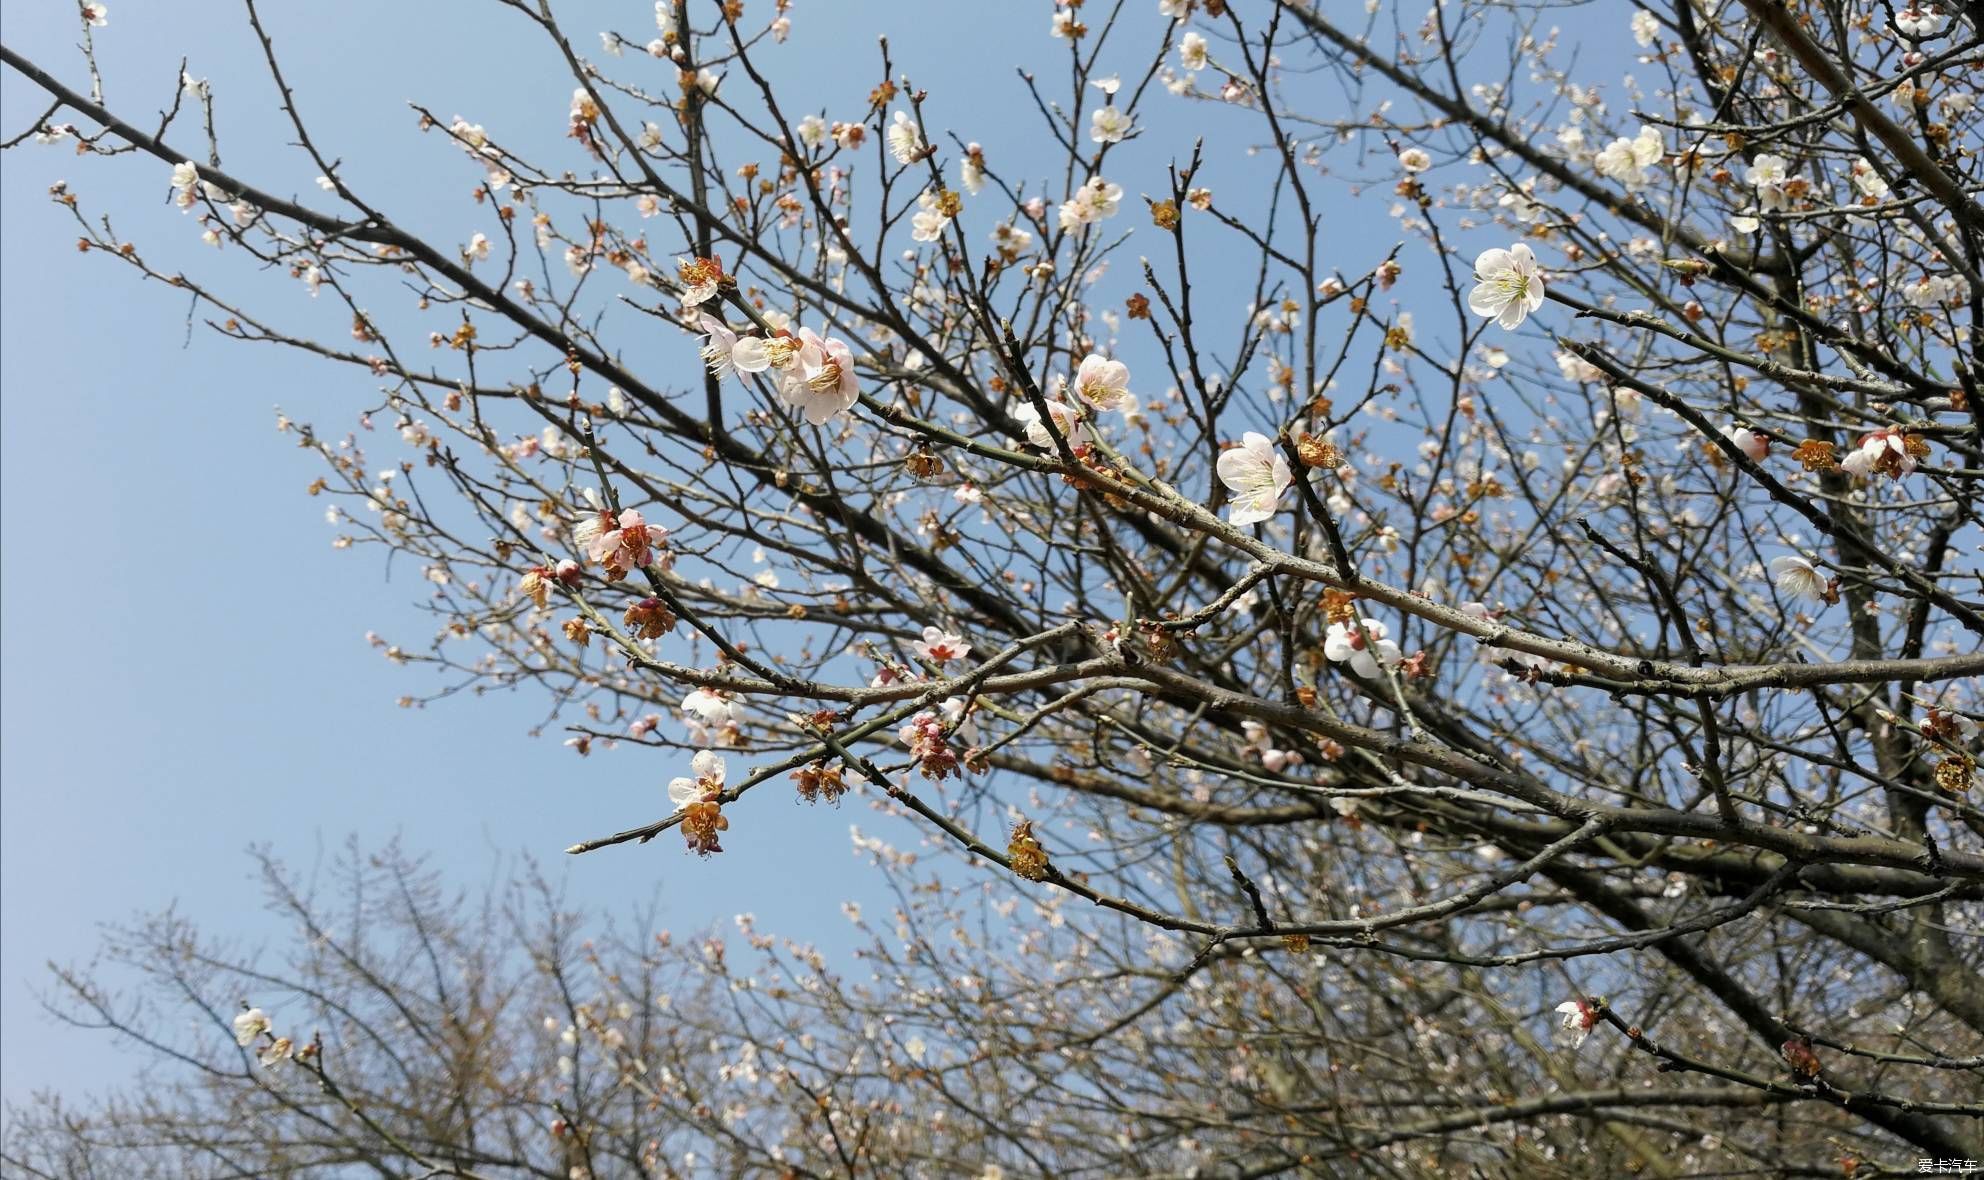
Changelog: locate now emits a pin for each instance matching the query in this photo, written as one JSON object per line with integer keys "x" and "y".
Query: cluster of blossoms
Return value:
{"x": 1259, "y": 745}
{"x": 713, "y": 718}
{"x": 537, "y": 580}
{"x": 1099, "y": 383}
{"x": 1885, "y": 452}
{"x": 820, "y": 780}
{"x": 1627, "y": 160}
{"x": 185, "y": 183}
{"x": 621, "y": 543}
{"x": 1920, "y": 21}
{"x": 253, "y": 1024}
{"x": 929, "y": 743}
{"x": 1092, "y": 202}
{"x": 934, "y": 211}
{"x": 697, "y": 799}
{"x": 814, "y": 373}
{"x": 1363, "y": 644}
{"x": 1948, "y": 290}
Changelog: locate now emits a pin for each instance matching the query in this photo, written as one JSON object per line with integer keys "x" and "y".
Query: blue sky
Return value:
{"x": 185, "y": 671}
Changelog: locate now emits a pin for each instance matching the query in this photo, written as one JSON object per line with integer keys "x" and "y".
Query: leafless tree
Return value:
{"x": 1504, "y": 698}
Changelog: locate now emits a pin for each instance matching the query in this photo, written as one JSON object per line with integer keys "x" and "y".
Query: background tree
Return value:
{"x": 1325, "y": 665}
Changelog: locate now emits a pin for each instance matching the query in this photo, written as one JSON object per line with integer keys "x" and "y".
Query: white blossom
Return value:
{"x": 1256, "y": 474}
{"x": 1508, "y": 285}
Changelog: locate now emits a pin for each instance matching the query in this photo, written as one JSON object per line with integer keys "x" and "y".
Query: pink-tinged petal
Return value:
{"x": 716, "y": 328}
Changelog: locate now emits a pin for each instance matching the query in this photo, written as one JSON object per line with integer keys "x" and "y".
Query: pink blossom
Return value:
{"x": 941, "y": 647}
{"x": 1883, "y": 451}
{"x": 820, "y": 379}
{"x": 1577, "y": 1019}
{"x": 1748, "y": 441}
{"x": 1363, "y": 647}
{"x": 620, "y": 544}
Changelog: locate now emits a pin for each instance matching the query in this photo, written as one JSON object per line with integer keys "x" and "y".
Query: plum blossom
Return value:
{"x": 1103, "y": 383}
{"x": 1256, "y": 474}
{"x": 1867, "y": 181}
{"x": 1769, "y": 174}
{"x": 1577, "y": 1019}
{"x": 1273, "y": 761}
{"x": 1916, "y": 20}
{"x": 1888, "y": 452}
{"x": 1092, "y": 202}
{"x": 1192, "y": 52}
{"x": 1626, "y": 160}
{"x": 928, "y": 743}
{"x": 701, "y": 279}
{"x": 1936, "y": 291}
{"x": 1645, "y": 28}
{"x": 1508, "y": 285}
{"x": 940, "y": 646}
{"x": 971, "y": 169}
{"x": 707, "y": 767}
{"x": 710, "y": 706}
{"x": 1752, "y": 444}
{"x": 95, "y": 14}
{"x": 1066, "y": 418}
{"x": 1108, "y": 125}
{"x": 1415, "y": 159}
{"x": 621, "y": 543}
{"x": 1364, "y": 648}
{"x": 905, "y": 142}
{"x": 818, "y": 377}
{"x": 725, "y": 352}
{"x": 811, "y": 130}
{"x": 186, "y": 180}
{"x": 1796, "y": 577}
{"x": 251, "y": 1023}
{"x": 927, "y": 225}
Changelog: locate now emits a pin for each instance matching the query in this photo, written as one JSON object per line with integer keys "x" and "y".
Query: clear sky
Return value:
{"x": 185, "y": 673}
